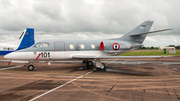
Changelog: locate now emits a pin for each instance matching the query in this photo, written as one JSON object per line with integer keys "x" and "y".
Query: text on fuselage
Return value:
{"x": 8, "y": 49}
{"x": 125, "y": 46}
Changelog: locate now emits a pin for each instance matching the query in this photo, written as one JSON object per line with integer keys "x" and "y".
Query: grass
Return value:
{"x": 149, "y": 53}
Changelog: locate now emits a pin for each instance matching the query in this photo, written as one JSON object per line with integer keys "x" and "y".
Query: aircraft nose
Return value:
{"x": 17, "y": 56}
{"x": 13, "y": 55}
{"x": 8, "y": 56}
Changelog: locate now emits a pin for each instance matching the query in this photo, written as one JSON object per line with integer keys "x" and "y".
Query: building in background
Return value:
{"x": 167, "y": 48}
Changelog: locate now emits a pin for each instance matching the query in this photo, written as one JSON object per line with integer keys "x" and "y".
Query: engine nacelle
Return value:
{"x": 102, "y": 45}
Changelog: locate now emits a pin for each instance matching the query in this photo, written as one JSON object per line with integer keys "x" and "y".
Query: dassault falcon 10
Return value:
{"x": 85, "y": 50}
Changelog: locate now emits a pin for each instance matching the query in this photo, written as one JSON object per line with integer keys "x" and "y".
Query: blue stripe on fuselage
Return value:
{"x": 5, "y": 52}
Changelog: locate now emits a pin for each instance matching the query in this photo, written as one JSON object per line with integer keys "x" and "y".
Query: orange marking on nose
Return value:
{"x": 38, "y": 56}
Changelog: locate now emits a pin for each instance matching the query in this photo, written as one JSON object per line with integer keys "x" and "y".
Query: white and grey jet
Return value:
{"x": 85, "y": 50}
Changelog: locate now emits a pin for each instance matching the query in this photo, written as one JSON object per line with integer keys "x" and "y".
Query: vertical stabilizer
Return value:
{"x": 27, "y": 38}
{"x": 142, "y": 28}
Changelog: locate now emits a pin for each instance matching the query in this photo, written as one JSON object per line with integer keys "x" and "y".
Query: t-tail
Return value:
{"x": 138, "y": 34}
{"x": 133, "y": 35}
{"x": 27, "y": 38}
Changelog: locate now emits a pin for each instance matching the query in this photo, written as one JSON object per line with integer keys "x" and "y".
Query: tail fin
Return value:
{"x": 27, "y": 38}
{"x": 142, "y": 28}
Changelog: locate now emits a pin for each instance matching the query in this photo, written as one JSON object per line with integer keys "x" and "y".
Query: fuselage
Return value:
{"x": 65, "y": 49}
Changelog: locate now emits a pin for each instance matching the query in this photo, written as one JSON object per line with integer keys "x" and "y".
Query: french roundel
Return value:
{"x": 116, "y": 46}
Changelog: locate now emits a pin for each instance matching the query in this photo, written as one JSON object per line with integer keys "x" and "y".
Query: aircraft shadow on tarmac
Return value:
{"x": 129, "y": 72}
{"x": 110, "y": 69}
{"x": 119, "y": 71}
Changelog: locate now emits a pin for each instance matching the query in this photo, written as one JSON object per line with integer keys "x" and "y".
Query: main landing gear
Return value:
{"x": 88, "y": 63}
{"x": 101, "y": 68}
{"x": 100, "y": 65}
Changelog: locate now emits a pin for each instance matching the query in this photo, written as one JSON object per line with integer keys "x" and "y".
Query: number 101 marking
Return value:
{"x": 45, "y": 54}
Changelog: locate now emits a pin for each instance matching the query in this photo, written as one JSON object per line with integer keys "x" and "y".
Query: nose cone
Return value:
{"x": 8, "y": 56}
{"x": 15, "y": 56}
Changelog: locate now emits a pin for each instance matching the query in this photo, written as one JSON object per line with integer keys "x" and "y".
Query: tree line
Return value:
{"x": 152, "y": 47}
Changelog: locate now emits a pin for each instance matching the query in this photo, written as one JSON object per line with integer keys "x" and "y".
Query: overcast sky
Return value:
{"x": 89, "y": 19}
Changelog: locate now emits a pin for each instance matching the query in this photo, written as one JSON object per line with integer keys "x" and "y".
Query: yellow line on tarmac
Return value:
{"x": 145, "y": 77}
{"x": 32, "y": 72}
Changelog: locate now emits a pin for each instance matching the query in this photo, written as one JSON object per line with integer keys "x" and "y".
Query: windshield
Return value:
{"x": 45, "y": 44}
{"x": 37, "y": 45}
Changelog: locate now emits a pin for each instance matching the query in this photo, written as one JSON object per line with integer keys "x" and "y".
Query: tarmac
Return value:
{"x": 124, "y": 80}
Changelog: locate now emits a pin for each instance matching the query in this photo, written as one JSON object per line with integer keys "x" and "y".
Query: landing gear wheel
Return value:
{"x": 103, "y": 67}
{"x": 89, "y": 63}
{"x": 31, "y": 67}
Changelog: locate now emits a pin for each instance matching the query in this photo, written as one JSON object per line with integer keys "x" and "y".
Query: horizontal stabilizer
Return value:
{"x": 137, "y": 34}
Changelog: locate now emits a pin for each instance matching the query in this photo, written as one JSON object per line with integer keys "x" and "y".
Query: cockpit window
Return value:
{"x": 37, "y": 45}
{"x": 41, "y": 45}
{"x": 45, "y": 44}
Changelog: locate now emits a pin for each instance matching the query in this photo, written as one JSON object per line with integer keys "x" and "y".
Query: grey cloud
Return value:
{"x": 69, "y": 17}
{"x": 50, "y": 9}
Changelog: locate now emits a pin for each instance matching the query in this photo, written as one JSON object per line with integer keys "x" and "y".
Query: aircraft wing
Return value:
{"x": 113, "y": 57}
{"x": 81, "y": 57}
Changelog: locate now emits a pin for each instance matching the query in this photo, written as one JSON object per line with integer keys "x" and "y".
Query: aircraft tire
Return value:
{"x": 30, "y": 67}
{"x": 84, "y": 61}
{"x": 103, "y": 65}
{"x": 89, "y": 63}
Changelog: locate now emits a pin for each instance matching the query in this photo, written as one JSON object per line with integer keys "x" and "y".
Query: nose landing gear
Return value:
{"x": 30, "y": 67}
